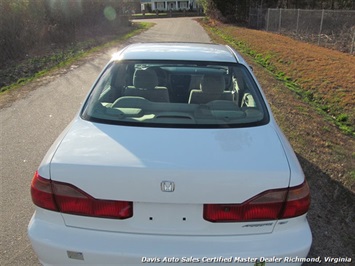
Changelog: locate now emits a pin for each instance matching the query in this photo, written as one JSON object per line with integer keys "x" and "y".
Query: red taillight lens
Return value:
{"x": 298, "y": 201}
{"x": 41, "y": 193}
{"x": 269, "y": 205}
{"x": 265, "y": 206}
{"x": 75, "y": 201}
{"x": 69, "y": 199}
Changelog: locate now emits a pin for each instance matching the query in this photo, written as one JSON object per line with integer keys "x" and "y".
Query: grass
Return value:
{"x": 36, "y": 67}
{"x": 307, "y": 112}
{"x": 321, "y": 77}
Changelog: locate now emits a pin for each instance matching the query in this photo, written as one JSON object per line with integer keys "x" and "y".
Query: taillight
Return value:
{"x": 298, "y": 201}
{"x": 41, "y": 192}
{"x": 269, "y": 205}
{"x": 66, "y": 198}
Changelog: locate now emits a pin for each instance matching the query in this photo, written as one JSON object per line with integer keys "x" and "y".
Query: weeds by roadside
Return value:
{"x": 321, "y": 77}
{"x": 20, "y": 73}
{"x": 311, "y": 130}
{"x": 325, "y": 152}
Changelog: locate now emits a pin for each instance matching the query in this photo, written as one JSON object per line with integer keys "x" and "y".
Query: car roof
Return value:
{"x": 179, "y": 51}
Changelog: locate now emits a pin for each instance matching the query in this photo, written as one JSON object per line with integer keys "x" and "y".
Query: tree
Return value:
{"x": 229, "y": 11}
{"x": 238, "y": 10}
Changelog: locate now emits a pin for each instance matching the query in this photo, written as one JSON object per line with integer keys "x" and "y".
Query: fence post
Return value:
{"x": 321, "y": 27}
{"x": 352, "y": 42}
{"x": 280, "y": 14}
{"x": 249, "y": 18}
{"x": 268, "y": 18}
{"x": 298, "y": 20}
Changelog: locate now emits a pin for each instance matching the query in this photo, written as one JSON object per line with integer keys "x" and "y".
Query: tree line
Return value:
{"x": 28, "y": 23}
{"x": 25, "y": 24}
{"x": 238, "y": 10}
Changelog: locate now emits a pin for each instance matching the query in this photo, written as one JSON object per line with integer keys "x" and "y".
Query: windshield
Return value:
{"x": 176, "y": 94}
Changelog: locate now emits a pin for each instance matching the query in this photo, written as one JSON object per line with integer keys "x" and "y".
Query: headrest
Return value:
{"x": 213, "y": 84}
{"x": 145, "y": 79}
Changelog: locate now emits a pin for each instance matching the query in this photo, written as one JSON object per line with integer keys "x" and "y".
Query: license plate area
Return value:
{"x": 167, "y": 218}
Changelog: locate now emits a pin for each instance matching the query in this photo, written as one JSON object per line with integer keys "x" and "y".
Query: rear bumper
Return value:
{"x": 55, "y": 243}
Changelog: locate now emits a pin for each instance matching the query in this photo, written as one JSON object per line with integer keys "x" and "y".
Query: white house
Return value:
{"x": 166, "y": 5}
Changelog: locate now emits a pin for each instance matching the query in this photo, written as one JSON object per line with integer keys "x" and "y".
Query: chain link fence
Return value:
{"x": 334, "y": 29}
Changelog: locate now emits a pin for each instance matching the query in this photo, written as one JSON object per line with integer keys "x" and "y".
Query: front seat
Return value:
{"x": 145, "y": 84}
{"x": 211, "y": 88}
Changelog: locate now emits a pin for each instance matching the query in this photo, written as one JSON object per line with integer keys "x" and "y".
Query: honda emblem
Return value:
{"x": 167, "y": 186}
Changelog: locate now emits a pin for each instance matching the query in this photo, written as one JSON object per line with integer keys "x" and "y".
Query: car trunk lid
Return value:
{"x": 170, "y": 173}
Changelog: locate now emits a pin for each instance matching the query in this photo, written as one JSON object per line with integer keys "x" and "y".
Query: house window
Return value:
{"x": 160, "y": 6}
{"x": 183, "y": 5}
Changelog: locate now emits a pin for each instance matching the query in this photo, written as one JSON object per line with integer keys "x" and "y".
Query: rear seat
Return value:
{"x": 212, "y": 88}
{"x": 145, "y": 84}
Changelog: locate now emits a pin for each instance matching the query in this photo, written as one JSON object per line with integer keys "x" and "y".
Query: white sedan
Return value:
{"x": 174, "y": 157}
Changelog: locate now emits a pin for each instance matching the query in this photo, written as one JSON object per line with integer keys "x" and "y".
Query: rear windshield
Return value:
{"x": 176, "y": 94}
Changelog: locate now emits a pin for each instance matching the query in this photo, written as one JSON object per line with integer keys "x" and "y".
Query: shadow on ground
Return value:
{"x": 331, "y": 216}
